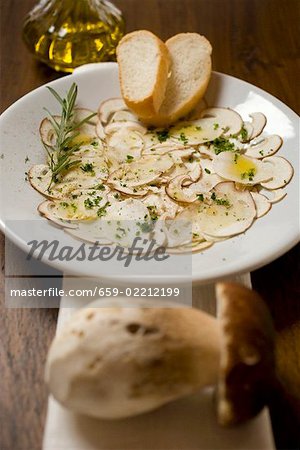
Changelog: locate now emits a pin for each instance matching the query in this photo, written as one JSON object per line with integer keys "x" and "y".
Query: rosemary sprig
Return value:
{"x": 66, "y": 130}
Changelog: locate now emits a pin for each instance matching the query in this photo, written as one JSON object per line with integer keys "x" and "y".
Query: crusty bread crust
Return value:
{"x": 168, "y": 115}
{"x": 149, "y": 105}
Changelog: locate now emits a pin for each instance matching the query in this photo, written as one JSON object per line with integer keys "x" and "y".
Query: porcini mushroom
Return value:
{"x": 121, "y": 357}
{"x": 124, "y": 357}
{"x": 247, "y": 365}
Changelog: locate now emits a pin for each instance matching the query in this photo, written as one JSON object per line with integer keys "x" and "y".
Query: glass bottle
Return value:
{"x": 68, "y": 33}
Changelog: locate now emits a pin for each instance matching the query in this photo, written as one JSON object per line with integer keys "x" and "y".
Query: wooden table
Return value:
{"x": 255, "y": 40}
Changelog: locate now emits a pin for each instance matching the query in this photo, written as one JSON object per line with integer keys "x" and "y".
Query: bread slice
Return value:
{"x": 143, "y": 69}
{"x": 190, "y": 74}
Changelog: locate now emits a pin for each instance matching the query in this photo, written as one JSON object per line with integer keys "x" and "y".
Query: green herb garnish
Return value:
{"x": 222, "y": 144}
{"x": 88, "y": 168}
{"x": 102, "y": 211}
{"x": 183, "y": 138}
{"x": 153, "y": 212}
{"x": 163, "y": 135}
{"x": 220, "y": 201}
{"x": 249, "y": 174}
{"x": 66, "y": 129}
{"x": 129, "y": 158}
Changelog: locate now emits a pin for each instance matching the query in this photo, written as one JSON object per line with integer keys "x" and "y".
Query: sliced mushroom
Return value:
{"x": 195, "y": 132}
{"x": 131, "y": 126}
{"x": 124, "y": 116}
{"x": 141, "y": 172}
{"x": 212, "y": 239}
{"x": 258, "y": 124}
{"x": 225, "y": 119}
{"x": 179, "y": 155}
{"x": 87, "y": 128}
{"x": 160, "y": 138}
{"x": 109, "y": 107}
{"x": 194, "y": 171}
{"x": 100, "y": 130}
{"x": 47, "y": 132}
{"x": 282, "y": 172}
{"x": 45, "y": 209}
{"x": 125, "y": 145}
{"x": 39, "y": 177}
{"x": 183, "y": 188}
{"x": 262, "y": 204}
{"x": 273, "y": 195}
{"x": 242, "y": 169}
{"x": 249, "y": 130}
{"x": 176, "y": 190}
{"x": 247, "y": 370}
{"x": 162, "y": 149}
{"x": 123, "y": 222}
{"x": 223, "y": 213}
{"x": 80, "y": 205}
{"x": 267, "y": 147}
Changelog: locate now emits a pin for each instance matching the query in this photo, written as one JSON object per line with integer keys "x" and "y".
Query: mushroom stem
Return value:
{"x": 113, "y": 361}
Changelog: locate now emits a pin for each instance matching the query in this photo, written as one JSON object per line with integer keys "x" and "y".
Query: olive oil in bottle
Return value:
{"x": 68, "y": 33}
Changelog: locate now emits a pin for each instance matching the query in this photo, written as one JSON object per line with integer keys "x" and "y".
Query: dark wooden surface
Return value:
{"x": 256, "y": 40}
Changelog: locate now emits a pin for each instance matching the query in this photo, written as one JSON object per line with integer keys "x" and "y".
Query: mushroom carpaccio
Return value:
{"x": 121, "y": 357}
{"x": 212, "y": 170}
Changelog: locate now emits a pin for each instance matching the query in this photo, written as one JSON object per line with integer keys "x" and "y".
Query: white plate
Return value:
{"x": 266, "y": 240}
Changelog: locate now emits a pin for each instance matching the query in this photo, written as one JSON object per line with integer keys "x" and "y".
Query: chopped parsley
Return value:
{"x": 94, "y": 144}
{"x": 99, "y": 187}
{"x": 216, "y": 126}
{"x": 102, "y": 211}
{"x": 163, "y": 135}
{"x": 129, "y": 158}
{"x": 91, "y": 203}
{"x": 249, "y": 174}
{"x": 207, "y": 171}
{"x": 222, "y": 144}
{"x": 220, "y": 201}
{"x": 153, "y": 212}
{"x": 183, "y": 138}
{"x": 64, "y": 204}
{"x": 88, "y": 168}
{"x": 200, "y": 197}
{"x": 236, "y": 157}
{"x": 146, "y": 227}
{"x": 244, "y": 133}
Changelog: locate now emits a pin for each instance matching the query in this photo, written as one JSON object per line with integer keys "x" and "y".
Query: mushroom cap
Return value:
{"x": 122, "y": 357}
{"x": 247, "y": 366}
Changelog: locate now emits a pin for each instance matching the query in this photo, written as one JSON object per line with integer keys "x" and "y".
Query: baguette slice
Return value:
{"x": 144, "y": 63}
{"x": 190, "y": 74}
